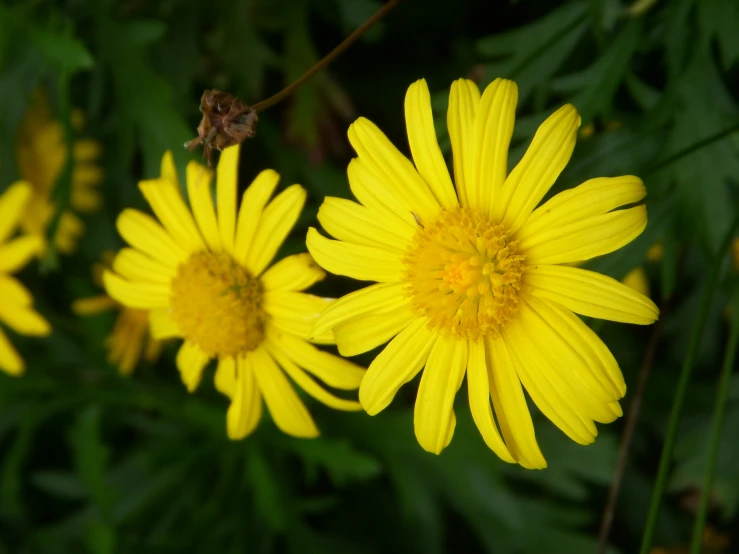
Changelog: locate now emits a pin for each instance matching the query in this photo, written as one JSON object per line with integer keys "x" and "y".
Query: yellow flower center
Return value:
{"x": 464, "y": 274}
{"x": 217, "y": 304}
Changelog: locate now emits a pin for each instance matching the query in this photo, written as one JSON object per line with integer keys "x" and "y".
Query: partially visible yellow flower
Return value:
{"x": 41, "y": 154}
{"x": 472, "y": 278}
{"x": 130, "y": 338}
{"x": 16, "y": 309}
{"x": 655, "y": 252}
{"x": 637, "y": 280}
{"x": 205, "y": 277}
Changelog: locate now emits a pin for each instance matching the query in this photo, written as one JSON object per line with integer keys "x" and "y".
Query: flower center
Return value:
{"x": 217, "y": 304}
{"x": 464, "y": 274}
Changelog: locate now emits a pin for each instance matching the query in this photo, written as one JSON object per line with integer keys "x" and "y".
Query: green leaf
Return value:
{"x": 61, "y": 49}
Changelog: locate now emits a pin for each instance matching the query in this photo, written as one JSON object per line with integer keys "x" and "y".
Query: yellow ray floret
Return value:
{"x": 203, "y": 274}
{"x": 470, "y": 273}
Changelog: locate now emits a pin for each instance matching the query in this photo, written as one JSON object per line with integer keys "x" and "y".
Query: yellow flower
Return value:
{"x": 473, "y": 280}
{"x": 15, "y": 307}
{"x": 637, "y": 280}
{"x": 41, "y": 154}
{"x": 206, "y": 279}
{"x": 130, "y": 338}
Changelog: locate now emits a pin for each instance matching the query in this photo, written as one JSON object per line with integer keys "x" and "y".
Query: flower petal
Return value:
{"x": 245, "y": 410}
{"x": 478, "y": 388}
{"x": 397, "y": 364}
{"x": 637, "y": 280}
{"x": 364, "y": 263}
{"x": 10, "y": 362}
{"x": 336, "y": 372}
{"x": 544, "y": 160}
{"x": 199, "y": 179}
{"x": 353, "y": 223}
{"x": 136, "y": 266}
{"x": 433, "y": 415}
{"x": 225, "y": 377}
{"x": 143, "y": 233}
{"x": 292, "y": 273}
{"x": 296, "y": 312}
{"x": 191, "y": 362}
{"x": 275, "y": 224}
{"x": 93, "y": 304}
{"x": 12, "y": 207}
{"x": 464, "y": 98}
{"x": 511, "y": 410}
{"x": 593, "y": 197}
{"x": 13, "y": 292}
{"x": 227, "y": 179}
{"x": 389, "y": 165}
{"x": 18, "y": 252}
{"x": 305, "y": 382}
{"x": 166, "y": 201}
{"x": 287, "y": 410}
{"x": 24, "y": 320}
{"x": 585, "y": 239}
{"x": 374, "y": 299}
{"x": 365, "y": 332}
{"x": 591, "y": 294}
{"x": 493, "y": 129}
{"x": 140, "y": 295}
{"x": 419, "y": 122}
{"x": 161, "y": 324}
{"x": 253, "y": 202}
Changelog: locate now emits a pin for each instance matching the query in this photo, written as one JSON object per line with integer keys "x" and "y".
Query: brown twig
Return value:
{"x": 628, "y": 434}
{"x": 346, "y": 43}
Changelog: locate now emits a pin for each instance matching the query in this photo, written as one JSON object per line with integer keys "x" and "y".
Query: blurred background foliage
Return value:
{"x": 94, "y": 462}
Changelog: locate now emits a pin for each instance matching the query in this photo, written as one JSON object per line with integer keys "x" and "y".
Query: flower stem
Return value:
{"x": 682, "y": 387}
{"x": 327, "y": 59}
{"x": 718, "y": 422}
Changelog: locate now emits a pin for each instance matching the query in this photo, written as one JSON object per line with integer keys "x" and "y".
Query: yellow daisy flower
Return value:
{"x": 41, "y": 154}
{"x": 130, "y": 339}
{"x": 16, "y": 306}
{"x": 206, "y": 279}
{"x": 472, "y": 280}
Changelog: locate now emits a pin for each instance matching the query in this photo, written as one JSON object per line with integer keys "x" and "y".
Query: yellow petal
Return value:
{"x": 464, "y": 98}
{"x": 86, "y": 176}
{"x": 226, "y": 185}
{"x": 201, "y": 200}
{"x": 161, "y": 324}
{"x": 389, "y": 165}
{"x": 511, "y": 410}
{"x": 225, "y": 377}
{"x": 353, "y": 223}
{"x": 433, "y": 415}
{"x": 287, "y": 410}
{"x": 585, "y": 239}
{"x": 305, "y": 382}
{"x": 86, "y": 200}
{"x": 253, "y": 202}
{"x": 364, "y": 263}
{"x": 191, "y": 362}
{"x": 593, "y": 197}
{"x": 93, "y": 305}
{"x": 544, "y": 160}
{"x": 637, "y": 280}
{"x": 13, "y": 292}
{"x": 493, "y": 129}
{"x": 336, "y": 372}
{"x": 397, "y": 364}
{"x": 295, "y": 313}
{"x": 425, "y": 149}
{"x": 144, "y": 233}
{"x": 292, "y": 273}
{"x": 245, "y": 410}
{"x": 168, "y": 170}
{"x": 13, "y": 203}
{"x": 363, "y": 333}
{"x": 387, "y": 207}
{"x": 478, "y": 389}
{"x": 136, "y": 266}
{"x": 86, "y": 150}
{"x": 136, "y": 295}
{"x": 591, "y": 294}
{"x": 275, "y": 224}
{"x": 18, "y": 252}
{"x": 165, "y": 199}
{"x": 375, "y": 299}
{"x": 552, "y": 402}
{"x": 10, "y": 362}
{"x": 24, "y": 320}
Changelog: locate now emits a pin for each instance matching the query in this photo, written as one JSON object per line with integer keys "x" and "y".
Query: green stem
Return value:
{"x": 718, "y": 422}
{"x": 682, "y": 387}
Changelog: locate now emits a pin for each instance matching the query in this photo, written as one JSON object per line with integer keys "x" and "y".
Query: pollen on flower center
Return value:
{"x": 217, "y": 304}
{"x": 464, "y": 274}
